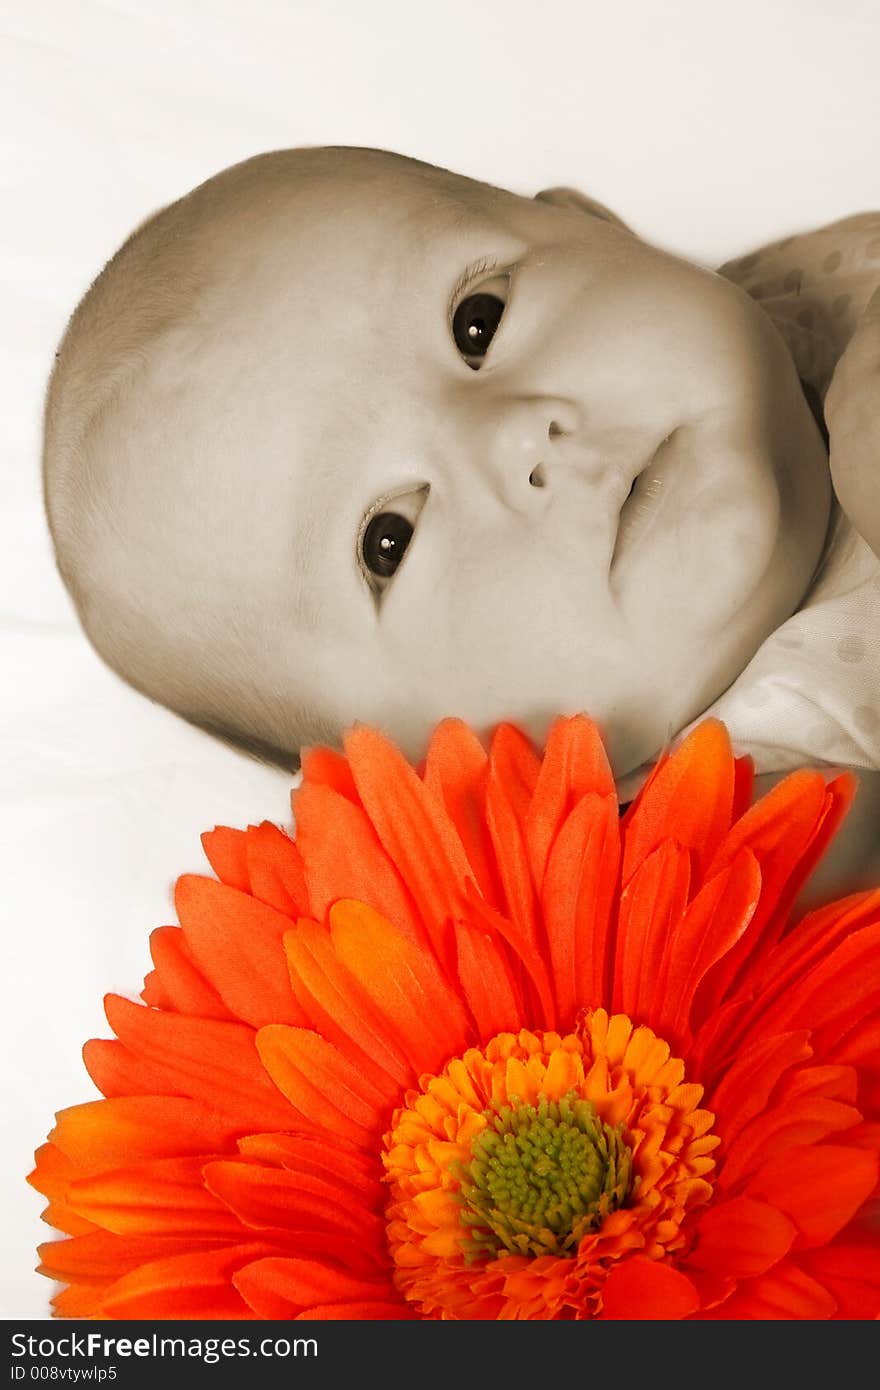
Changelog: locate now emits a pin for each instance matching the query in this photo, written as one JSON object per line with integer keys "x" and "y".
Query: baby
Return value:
{"x": 342, "y": 436}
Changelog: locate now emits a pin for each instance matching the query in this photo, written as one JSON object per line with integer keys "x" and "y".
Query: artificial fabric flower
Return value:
{"x": 476, "y": 1046}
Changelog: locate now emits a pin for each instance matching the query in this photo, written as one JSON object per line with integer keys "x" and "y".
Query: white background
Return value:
{"x": 710, "y": 128}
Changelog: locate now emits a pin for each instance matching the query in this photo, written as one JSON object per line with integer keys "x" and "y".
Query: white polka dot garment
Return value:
{"x": 811, "y": 694}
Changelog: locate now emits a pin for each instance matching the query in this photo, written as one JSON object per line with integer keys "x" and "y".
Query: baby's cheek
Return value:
{"x": 731, "y": 544}
{"x": 720, "y": 548}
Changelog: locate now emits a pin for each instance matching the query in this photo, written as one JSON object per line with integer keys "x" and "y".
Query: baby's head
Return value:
{"x": 344, "y": 436}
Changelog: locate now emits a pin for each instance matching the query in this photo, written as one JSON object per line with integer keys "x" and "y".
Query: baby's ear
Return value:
{"x": 571, "y": 198}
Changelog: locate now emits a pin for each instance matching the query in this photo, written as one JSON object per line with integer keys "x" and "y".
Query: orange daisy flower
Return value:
{"x": 476, "y": 1046}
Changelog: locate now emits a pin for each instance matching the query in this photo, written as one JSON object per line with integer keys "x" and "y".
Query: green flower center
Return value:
{"x": 541, "y": 1177}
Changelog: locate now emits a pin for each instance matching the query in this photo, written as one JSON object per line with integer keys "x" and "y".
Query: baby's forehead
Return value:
{"x": 313, "y": 281}
{"x": 349, "y": 220}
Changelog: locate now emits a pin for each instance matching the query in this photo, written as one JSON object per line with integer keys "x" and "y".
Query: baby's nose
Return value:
{"x": 534, "y": 443}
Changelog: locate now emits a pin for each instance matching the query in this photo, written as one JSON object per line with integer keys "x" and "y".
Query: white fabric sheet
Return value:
{"x": 708, "y": 128}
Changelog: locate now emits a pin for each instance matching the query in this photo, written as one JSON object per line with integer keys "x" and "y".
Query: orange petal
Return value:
{"x": 304, "y": 1153}
{"x": 364, "y": 1311}
{"x": 579, "y": 894}
{"x": 52, "y": 1176}
{"x": 832, "y": 1082}
{"x": 343, "y": 858}
{"x": 766, "y": 990}
{"x": 195, "y": 1286}
{"x": 282, "y": 1288}
{"x": 842, "y": 986}
{"x": 237, "y": 944}
{"x": 275, "y": 869}
{"x": 863, "y": 1136}
{"x": 783, "y": 1128}
{"x": 784, "y": 1292}
{"x": 747, "y": 1085}
{"x": 414, "y": 828}
{"x": 641, "y": 1289}
{"x": 575, "y": 765}
{"x": 541, "y": 1006}
{"x": 651, "y": 906}
{"x": 859, "y": 1047}
{"x": 515, "y": 764}
{"x": 741, "y": 1238}
{"x": 164, "y": 1196}
{"x": 204, "y": 1059}
{"x": 743, "y": 787}
{"x": 820, "y": 1187}
{"x": 630, "y": 809}
{"x": 778, "y": 830}
{"x": 116, "y": 1071}
{"x": 79, "y": 1301}
{"x": 226, "y": 853}
{"x": 778, "y": 825}
{"x": 181, "y": 980}
{"x": 814, "y": 937}
{"x": 714, "y": 922}
{"x": 840, "y": 793}
{"x": 279, "y": 1199}
{"x": 54, "y": 1171}
{"x": 405, "y": 983}
{"x": 690, "y": 800}
{"x": 513, "y": 774}
{"x": 338, "y": 1007}
{"x": 64, "y": 1218}
{"x": 154, "y": 993}
{"x": 104, "y": 1133}
{"x": 101, "y": 1257}
{"x": 851, "y": 1274}
{"x": 328, "y": 768}
{"x": 457, "y": 773}
{"x": 486, "y": 982}
{"x": 321, "y": 1084}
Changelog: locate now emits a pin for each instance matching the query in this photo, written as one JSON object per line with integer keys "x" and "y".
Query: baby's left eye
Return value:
{"x": 386, "y": 533}
{"x": 475, "y": 321}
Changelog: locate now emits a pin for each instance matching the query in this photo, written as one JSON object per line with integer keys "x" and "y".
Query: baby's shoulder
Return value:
{"x": 814, "y": 285}
{"x": 809, "y": 694}
{"x": 847, "y": 566}
{"x": 840, "y": 245}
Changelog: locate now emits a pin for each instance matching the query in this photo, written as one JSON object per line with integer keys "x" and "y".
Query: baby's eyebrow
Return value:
{"x": 441, "y": 218}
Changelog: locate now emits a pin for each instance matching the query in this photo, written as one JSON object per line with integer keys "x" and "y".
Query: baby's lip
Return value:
{"x": 642, "y": 505}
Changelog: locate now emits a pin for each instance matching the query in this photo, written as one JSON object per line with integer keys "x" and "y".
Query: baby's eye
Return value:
{"x": 386, "y": 535}
{"x": 476, "y": 319}
{"x": 384, "y": 544}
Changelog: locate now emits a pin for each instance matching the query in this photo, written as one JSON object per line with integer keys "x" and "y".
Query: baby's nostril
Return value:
{"x": 537, "y": 477}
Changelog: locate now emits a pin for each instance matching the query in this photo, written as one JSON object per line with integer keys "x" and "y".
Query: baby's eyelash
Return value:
{"x": 373, "y": 510}
{"x": 471, "y": 275}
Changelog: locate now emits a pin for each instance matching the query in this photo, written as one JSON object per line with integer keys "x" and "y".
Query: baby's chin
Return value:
{"x": 632, "y": 730}
{"x": 632, "y": 742}
{"x": 638, "y": 727}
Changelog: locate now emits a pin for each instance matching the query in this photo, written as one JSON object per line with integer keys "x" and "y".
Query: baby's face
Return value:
{"x": 456, "y": 451}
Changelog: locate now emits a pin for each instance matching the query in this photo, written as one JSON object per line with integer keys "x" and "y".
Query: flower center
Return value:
{"x": 520, "y": 1174}
{"x": 541, "y": 1176}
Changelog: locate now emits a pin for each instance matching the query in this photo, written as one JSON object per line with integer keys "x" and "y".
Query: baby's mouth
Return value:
{"x": 642, "y": 504}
